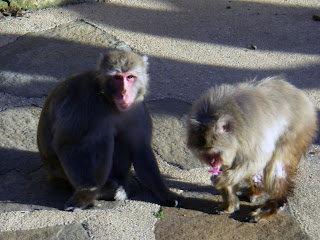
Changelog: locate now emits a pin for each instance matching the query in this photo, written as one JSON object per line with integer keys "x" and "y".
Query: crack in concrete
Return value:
{"x": 85, "y": 226}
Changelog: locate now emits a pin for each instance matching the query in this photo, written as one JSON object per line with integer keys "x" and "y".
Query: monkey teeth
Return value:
{"x": 215, "y": 164}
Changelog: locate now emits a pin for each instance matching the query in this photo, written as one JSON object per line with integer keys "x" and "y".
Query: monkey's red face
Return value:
{"x": 123, "y": 83}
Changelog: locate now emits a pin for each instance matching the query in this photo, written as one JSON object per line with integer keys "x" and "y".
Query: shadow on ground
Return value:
{"x": 35, "y": 62}
{"x": 24, "y": 185}
{"x": 230, "y": 23}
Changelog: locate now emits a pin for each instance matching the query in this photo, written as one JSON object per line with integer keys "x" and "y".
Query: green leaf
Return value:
{"x": 159, "y": 214}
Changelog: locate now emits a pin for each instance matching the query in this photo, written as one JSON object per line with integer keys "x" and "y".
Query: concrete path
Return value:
{"x": 192, "y": 45}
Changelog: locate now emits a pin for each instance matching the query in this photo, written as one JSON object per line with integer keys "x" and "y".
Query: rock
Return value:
{"x": 23, "y": 182}
{"x": 33, "y": 64}
{"x": 18, "y": 128}
{"x": 70, "y": 232}
{"x": 183, "y": 223}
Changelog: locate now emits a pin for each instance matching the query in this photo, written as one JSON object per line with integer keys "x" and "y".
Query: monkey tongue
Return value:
{"x": 215, "y": 171}
{"x": 215, "y": 163}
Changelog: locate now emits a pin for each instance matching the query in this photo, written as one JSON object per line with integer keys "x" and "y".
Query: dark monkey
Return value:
{"x": 94, "y": 126}
{"x": 254, "y": 131}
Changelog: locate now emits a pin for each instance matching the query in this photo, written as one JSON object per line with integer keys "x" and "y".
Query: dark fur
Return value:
{"x": 85, "y": 141}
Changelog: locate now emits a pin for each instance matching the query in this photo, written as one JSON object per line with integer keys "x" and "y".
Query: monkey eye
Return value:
{"x": 131, "y": 77}
{"x": 116, "y": 77}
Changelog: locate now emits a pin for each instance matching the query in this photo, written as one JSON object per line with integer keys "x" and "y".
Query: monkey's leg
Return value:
{"x": 81, "y": 198}
{"x": 116, "y": 186}
{"x": 55, "y": 173}
{"x": 230, "y": 200}
{"x": 148, "y": 172}
{"x": 279, "y": 174}
{"x": 87, "y": 167}
{"x": 255, "y": 191}
{"x": 228, "y": 184}
{"x": 279, "y": 184}
{"x": 108, "y": 190}
{"x": 255, "y": 188}
{"x": 276, "y": 202}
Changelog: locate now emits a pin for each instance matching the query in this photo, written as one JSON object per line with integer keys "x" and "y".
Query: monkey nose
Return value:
{"x": 124, "y": 91}
{"x": 125, "y": 96}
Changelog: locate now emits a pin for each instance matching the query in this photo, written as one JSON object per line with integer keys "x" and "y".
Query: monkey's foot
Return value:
{"x": 266, "y": 211}
{"x": 175, "y": 202}
{"x": 221, "y": 210}
{"x": 172, "y": 200}
{"x": 120, "y": 194}
{"x": 112, "y": 191}
{"x": 81, "y": 199}
{"x": 250, "y": 194}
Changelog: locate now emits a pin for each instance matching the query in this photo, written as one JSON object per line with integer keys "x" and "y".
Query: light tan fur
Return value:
{"x": 255, "y": 127}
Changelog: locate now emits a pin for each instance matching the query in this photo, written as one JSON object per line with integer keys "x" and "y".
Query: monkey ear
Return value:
{"x": 223, "y": 125}
{"x": 145, "y": 59}
{"x": 194, "y": 121}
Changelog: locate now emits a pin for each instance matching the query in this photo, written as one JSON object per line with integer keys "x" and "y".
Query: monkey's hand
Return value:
{"x": 222, "y": 180}
{"x": 81, "y": 199}
{"x": 226, "y": 208}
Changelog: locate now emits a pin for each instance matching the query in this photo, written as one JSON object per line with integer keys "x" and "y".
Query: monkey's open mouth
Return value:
{"x": 215, "y": 162}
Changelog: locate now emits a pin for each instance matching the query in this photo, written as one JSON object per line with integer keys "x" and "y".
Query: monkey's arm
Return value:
{"x": 143, "y": 159}
{"x": 238, "y": 172}
{"x": 148, "y": 172}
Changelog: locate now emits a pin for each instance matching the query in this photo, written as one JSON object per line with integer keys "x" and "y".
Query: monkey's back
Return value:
{"x": 257, "y": 103}
{"x": 67, "y": 107}
{"x": 288, "y": 102}
{"x": 262, "y": 112}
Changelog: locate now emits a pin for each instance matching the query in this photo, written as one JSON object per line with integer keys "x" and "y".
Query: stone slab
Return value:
{"x": 192, "y": 224}
{"x": 130, "y": 220}
{"x": 68, "y": 232}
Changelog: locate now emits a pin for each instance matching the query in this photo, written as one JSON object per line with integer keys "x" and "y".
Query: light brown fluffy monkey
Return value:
{"x": 255, "y": 131}
{"x": 94, "y": 126}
